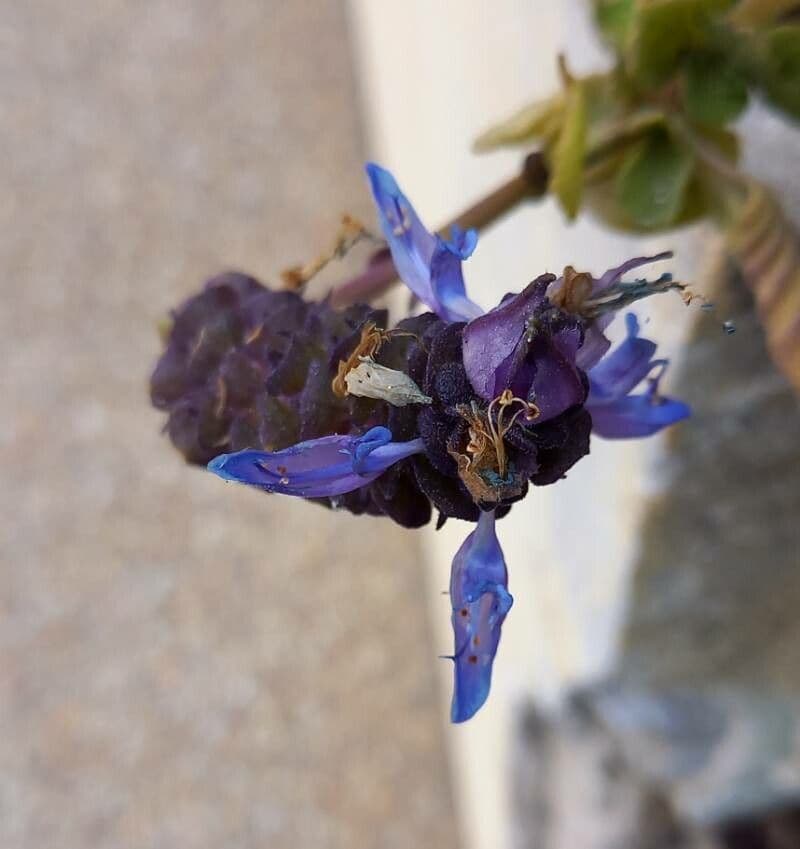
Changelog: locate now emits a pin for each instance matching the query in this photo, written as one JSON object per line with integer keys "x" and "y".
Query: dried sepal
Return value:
{"x": 351, "y": 232}
{"x": 371, "y": 341}
{"x": 372, "y": 380}
{"x": 372, "y": 337}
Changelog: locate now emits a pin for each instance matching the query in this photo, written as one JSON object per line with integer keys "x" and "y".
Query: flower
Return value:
{"x": 319, "y": 468}
{"x": 480, "y": 599}
{"x": 454, "y": 409}
{"x": 616, "y": 413}
{"x": 526, "y": 350}
{"x": 427, "y": 264}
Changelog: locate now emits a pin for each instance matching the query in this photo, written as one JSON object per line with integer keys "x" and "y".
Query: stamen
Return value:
{"x": 487, "y": 429}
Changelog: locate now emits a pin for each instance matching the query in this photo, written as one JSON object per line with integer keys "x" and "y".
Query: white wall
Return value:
{"x": 434, "y": 73}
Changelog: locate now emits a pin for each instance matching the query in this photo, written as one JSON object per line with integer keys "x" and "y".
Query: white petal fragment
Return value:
{"x": 372, "y": 380}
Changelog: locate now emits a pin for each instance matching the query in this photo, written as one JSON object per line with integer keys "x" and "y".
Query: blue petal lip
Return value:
{"x": 480, "y": 602}
{"x": 624, "y": 368}
{"x": 447, "y": 282}
{"x": 636, "y": 416}
{"x": 473, "y": 666}
{"x": 426, "y": 263}
{"x": 617, "y": 414}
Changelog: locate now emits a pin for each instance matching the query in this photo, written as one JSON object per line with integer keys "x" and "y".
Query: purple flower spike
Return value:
{"x": 491, "y": 404}
{"x": 318, "y": 468}
{"x": 480, "y": 599}
{"x": 427, "y": 264}
{"x": 615, "y": 413}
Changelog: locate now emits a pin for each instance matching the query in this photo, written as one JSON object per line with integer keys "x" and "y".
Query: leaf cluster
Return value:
{"x": 644, "y": 145}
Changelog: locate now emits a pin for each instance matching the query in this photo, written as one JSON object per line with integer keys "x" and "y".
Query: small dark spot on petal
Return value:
{"x": 473, "y": 658}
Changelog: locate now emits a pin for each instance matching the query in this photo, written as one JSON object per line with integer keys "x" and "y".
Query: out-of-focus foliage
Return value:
{"x": 647, "y": 133}
{"x": 767, "y": 251}
{"x": 653, "y": 178}
{"x": 566, "y": 180}
{"x": 649, "y": 145}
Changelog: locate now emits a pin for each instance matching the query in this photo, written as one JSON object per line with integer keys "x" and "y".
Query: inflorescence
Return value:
{"x": 455, "y": 410}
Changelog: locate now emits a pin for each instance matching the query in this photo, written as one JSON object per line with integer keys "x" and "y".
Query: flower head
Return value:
{"x": 455, "y": 409}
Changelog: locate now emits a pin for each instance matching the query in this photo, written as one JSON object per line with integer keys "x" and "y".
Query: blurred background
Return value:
{"x": 182, "y": 665}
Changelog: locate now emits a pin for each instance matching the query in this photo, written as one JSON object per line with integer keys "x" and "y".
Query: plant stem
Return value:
{"x": 380, "y": 275}
{"x": 530, "y": 183}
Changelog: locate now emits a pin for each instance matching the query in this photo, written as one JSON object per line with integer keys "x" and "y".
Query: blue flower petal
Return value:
{"x": 625, "y": 367}
{"x": 447, "y": 284}
{"x": 374, "y": 438}
{"x": 480, "y": 599}
{"x": 616, "y": 414}
{"x": 414, "y": 248}
{"x": 462, "y": 242}
{"x": 317, "y": 468}
{"x": 636, "y": 415}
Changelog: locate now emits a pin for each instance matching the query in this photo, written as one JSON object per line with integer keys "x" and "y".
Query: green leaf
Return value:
{"x": 615, "y": 17}
{"x": 566, "y": 164}
{"x": 780, "y": 74}
{"x": 652, "y": 181}
{"x": 665, "y": 31}
{"x": 538, "y": 120}
{"x": 715, "y": 92}
{"x": 759, "y": 13}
